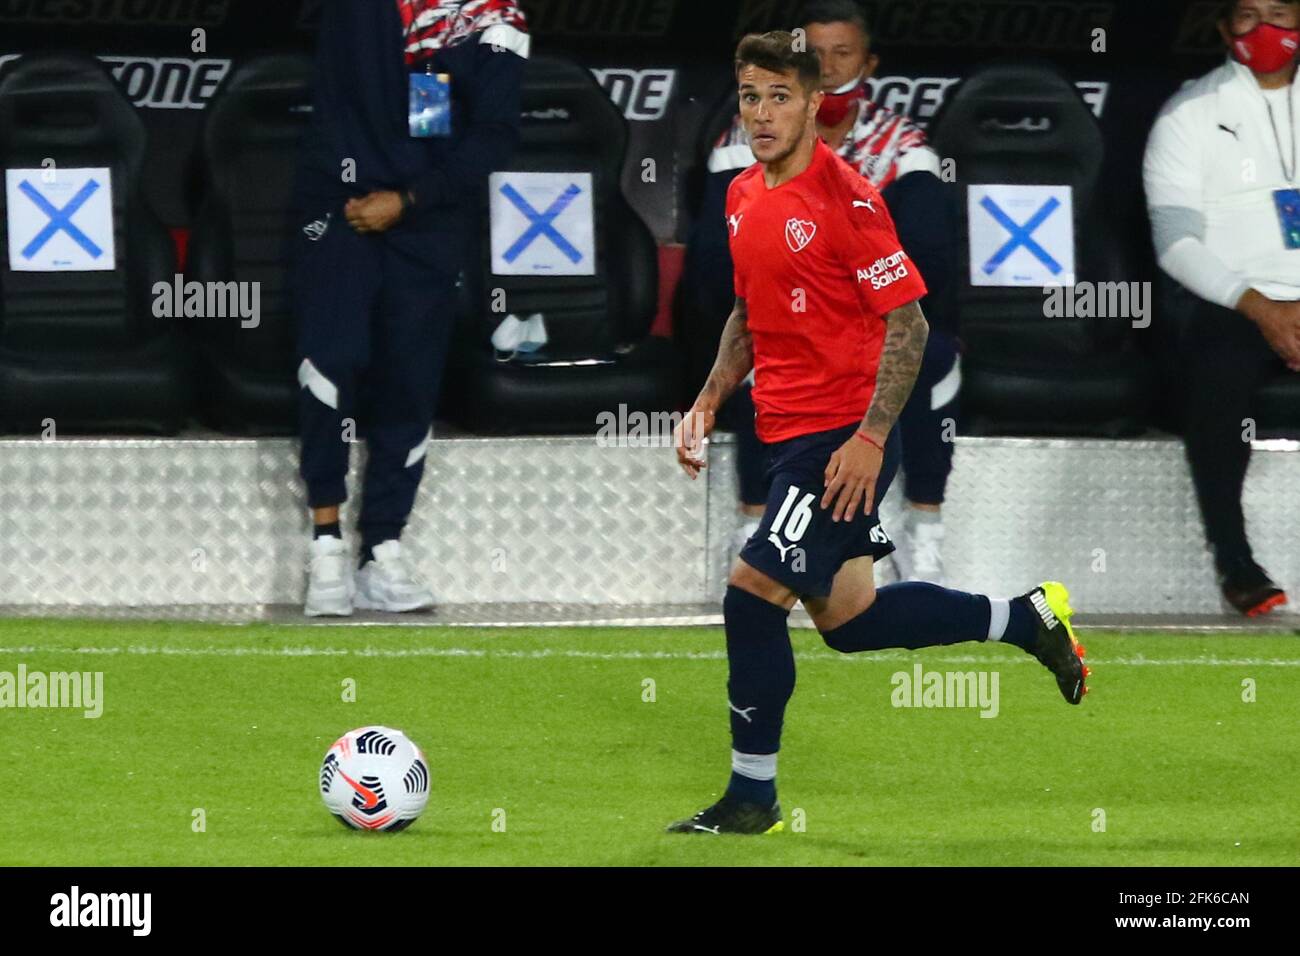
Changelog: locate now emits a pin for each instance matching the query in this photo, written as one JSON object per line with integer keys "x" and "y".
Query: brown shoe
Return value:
{"x": 1248, "y": 588}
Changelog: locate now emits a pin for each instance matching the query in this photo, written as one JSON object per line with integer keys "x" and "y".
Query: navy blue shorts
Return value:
{"x": 797, "y": 543}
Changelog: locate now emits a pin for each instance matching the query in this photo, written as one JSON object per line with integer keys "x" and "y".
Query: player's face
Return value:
{"x": 776, "y": 111}
{"x": 844, "y": 52}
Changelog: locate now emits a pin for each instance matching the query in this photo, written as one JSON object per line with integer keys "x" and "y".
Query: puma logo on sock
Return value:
{"x": 743, "y": 713}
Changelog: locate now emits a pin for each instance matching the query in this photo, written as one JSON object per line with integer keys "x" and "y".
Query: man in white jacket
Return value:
{"x": 1223, "y": 190}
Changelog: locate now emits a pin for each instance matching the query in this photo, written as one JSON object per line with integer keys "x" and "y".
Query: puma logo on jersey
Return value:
{"x": 858, "y": 204}
{"x": 1039, "y": 601}
{"x": 777, "y": 543}
{"x": 734, "y": 222}
{"x": 743, "y": 713}
{"x": 798, "y": 233}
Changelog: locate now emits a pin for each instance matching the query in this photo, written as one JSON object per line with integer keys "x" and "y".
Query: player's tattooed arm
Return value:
{"x": 734, "y": 362}
{"x": 735, "y": 359}
{"x": 900, "y": 363}
{"x": 853, "y": 470}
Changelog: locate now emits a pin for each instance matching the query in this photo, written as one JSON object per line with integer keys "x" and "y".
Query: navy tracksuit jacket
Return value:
{"x": 375, "y": 312}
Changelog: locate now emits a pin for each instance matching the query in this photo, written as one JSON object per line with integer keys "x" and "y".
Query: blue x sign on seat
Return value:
{"x": 540, "y": 224}
{"x": 60, "y": 219}
{"x": 1021, "y": 235}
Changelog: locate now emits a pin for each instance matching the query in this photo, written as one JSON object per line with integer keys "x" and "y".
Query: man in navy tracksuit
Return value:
{"x": 383, "y": 216}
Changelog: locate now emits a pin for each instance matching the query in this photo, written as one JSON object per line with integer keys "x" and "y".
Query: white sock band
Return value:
{"x": 754, "y": 766}
{"x": 999, "y": 615}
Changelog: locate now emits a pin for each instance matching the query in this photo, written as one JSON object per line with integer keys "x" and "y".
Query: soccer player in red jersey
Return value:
{"x": 826, "y": 315}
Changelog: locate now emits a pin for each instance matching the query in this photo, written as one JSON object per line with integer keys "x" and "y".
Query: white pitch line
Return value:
{"x": 541, "y": 653}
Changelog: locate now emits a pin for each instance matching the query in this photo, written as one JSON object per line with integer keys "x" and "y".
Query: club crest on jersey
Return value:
{"x": 798, "y": 233}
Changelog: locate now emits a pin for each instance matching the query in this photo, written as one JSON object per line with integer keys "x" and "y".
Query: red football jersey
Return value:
{"x": 819, "y": 265}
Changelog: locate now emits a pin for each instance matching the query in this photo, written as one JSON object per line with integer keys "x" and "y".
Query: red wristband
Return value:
{"x": 867, "y": 438}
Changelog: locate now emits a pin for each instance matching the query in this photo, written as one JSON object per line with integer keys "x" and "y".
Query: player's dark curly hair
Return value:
{"x": 779, "y": 52}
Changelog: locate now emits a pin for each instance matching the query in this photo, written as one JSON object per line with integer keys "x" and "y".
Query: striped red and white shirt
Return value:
{"x": 431, "y": 25}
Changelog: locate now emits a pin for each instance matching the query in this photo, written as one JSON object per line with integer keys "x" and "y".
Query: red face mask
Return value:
{"x": 1266, "y": 49}
{"x": 835, "y": 106}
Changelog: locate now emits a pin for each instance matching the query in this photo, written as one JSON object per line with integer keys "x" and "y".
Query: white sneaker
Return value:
{"x": 389, "y": 583}
{"x": 329, "y": 579}
{"x": 924, "y": 546}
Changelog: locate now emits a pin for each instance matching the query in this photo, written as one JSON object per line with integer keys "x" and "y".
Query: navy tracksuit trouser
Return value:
{"x": 374, "y": 329}
{"x": 928, "y": 421}
{"x": 1222, "y": 361}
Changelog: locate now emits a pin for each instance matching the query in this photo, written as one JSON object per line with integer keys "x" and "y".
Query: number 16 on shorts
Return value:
{"x": 792, "y": 520}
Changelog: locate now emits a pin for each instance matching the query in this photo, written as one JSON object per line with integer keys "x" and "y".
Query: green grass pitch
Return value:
{"x": 556, "y": 728}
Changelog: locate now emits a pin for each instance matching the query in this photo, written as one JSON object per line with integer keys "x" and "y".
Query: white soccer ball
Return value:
{"x": 375, "y": 778}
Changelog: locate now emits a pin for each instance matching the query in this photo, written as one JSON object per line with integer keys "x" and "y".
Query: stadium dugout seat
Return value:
{"x": 83, "y": 348}
{"x": 249, "y": 153}
{"x": 1026, "y": 374}
{"x": 1277, "y": 407}
{"x": 599, "y": 355}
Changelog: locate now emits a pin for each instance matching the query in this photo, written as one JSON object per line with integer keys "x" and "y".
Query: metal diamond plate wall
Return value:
{"x": 221, "y": 522}
{"x": 214, "y": 522}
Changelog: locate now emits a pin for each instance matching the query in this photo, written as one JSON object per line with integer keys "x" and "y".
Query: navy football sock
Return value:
{"x": 760, "y": 683}
{"x": 327, "y": 530}
{"x": 1022, "y": 625}
{"x": 762, "y": 792}
{"x": 914, "y": 614}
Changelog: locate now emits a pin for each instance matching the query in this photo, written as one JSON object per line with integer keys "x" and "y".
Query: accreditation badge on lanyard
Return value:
{"x": 1287, "y": 201}
{"x": 429, "y": 114}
